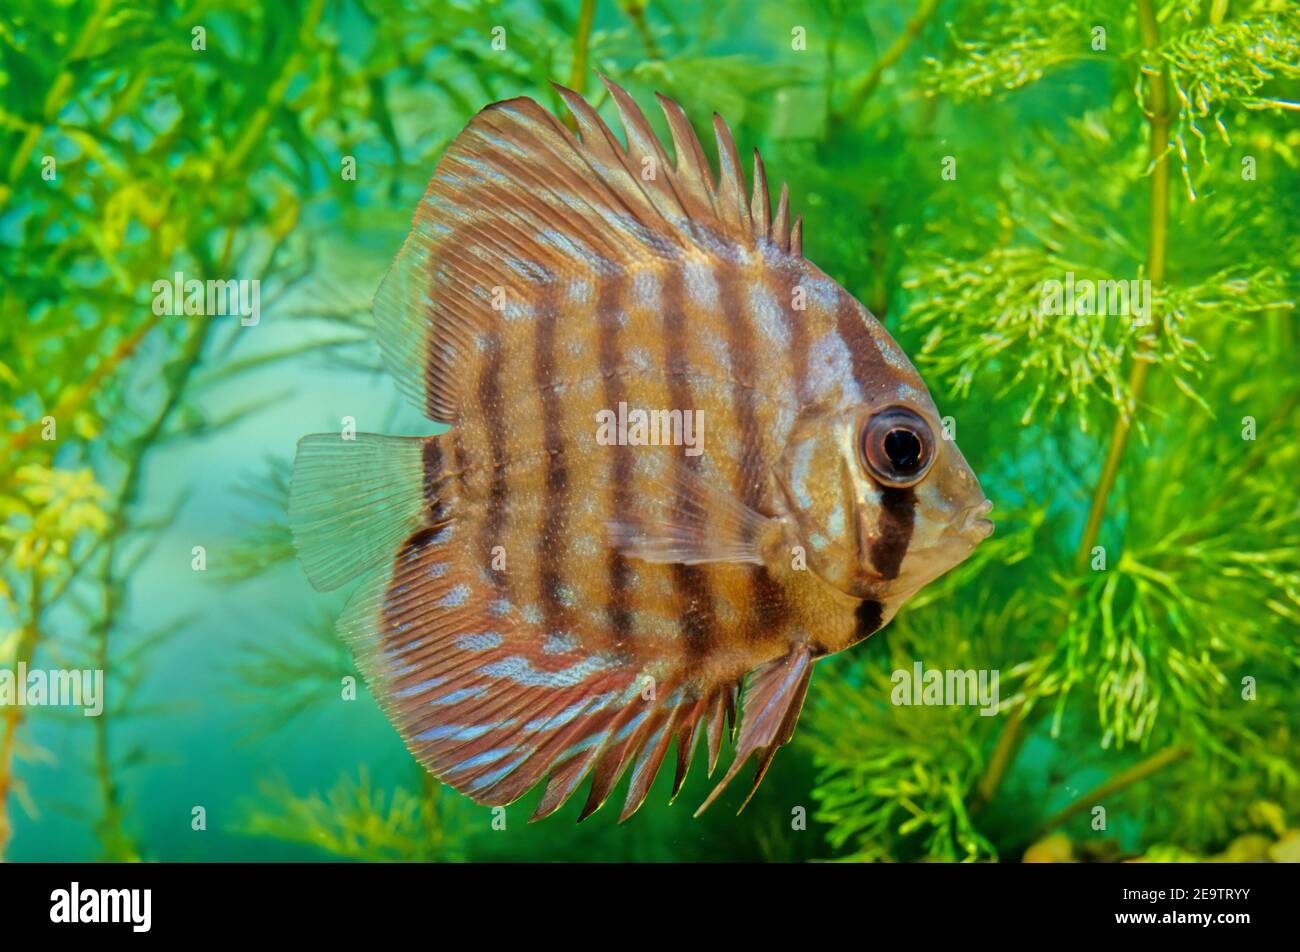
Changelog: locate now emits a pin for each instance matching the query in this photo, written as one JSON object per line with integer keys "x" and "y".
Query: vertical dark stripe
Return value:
{"x": 894, "y": 532}
{"x": 690, "y": 582}
{"x": 766, "y": 597}
{"x": 609, "y": 309}
{"x": 867, "y": 618}
{"x": 432, "y": 454}
{"x": 448, "y": 269}
{"x": 409, "y": 565}
{"x": 551, "y": 543}
{"x": 738, "y": 326}
{"x": 769, "y": 608}
{"x": 864, "y": 355}
{"x": 491, "y": 413}
{"x": 461, "y": 459}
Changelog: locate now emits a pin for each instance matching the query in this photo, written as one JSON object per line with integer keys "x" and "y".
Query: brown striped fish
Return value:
{"x": 682, "y": 465}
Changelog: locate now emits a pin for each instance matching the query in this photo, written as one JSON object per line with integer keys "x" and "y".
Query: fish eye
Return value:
{"x": 897, "y": 447}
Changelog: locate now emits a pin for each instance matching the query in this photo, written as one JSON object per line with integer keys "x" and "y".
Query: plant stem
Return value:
{"x": 117, "y": 844}
{"x": 1004, "y": 752}
{"x": 635, "y": 11}
{"x": 892, "y": 55}
{"x": 68, "y": 406}
{"x": 582, "y": 36}
{"x": 53, "y": 103}
{"x": 253, "y": 131}
{"x": 1138, "y": 772}
{"x": 578, "y": 76}
{"x": 1157, "y": 246}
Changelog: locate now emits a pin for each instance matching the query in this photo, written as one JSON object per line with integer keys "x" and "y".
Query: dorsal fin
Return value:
{"x": 691, "y": 173}
{"x": 782, "y": 219}
{"x": 760, "y": 206}
{"x": 518, "y": 200}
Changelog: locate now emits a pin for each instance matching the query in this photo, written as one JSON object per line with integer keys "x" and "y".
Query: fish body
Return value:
{"x": 681, "y": 459}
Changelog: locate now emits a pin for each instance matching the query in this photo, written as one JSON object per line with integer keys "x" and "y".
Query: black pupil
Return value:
{"x": 903, "y": 449}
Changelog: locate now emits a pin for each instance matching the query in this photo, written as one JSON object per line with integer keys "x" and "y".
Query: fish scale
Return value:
{"x": 548, "y": 280}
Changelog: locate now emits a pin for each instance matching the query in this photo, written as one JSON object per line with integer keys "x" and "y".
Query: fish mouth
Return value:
{"x": 972, "y": 522}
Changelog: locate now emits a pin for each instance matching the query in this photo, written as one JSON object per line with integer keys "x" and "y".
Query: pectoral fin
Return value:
{"x": 688, "y": 517}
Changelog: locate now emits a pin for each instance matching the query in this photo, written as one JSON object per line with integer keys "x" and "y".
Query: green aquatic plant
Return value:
{"x": 1226, "y": 64}
{"x": 358, "y": 820}
{"x": 1017, "y": 45}
{"x": 894, "y": 779}
{"x": 1156, "y": 632}
{"x": 110, "y": 186}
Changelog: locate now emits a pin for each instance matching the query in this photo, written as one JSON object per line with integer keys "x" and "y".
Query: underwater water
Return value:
{"x": 1088, "y": 243}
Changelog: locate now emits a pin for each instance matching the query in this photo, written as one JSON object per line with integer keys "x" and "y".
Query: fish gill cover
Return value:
{"x": 1064, "y": 237}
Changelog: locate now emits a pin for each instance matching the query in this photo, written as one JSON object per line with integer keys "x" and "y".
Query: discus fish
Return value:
{"x": 681, "y": 459}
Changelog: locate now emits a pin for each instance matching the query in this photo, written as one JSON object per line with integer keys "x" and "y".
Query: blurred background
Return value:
{"x": 1140, "y": 599}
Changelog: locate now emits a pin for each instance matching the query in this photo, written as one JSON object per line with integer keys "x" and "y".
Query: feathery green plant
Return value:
{"x": 358, "y": 820}
{"x": 1170, "y": 612}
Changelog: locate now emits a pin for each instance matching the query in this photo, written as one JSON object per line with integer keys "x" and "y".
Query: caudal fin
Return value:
{"x": 352, "y": 502}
